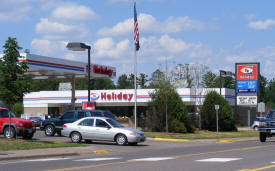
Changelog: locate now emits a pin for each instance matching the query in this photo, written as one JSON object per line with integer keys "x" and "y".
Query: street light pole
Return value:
{"x": 78, "y": 46}
{"x": 220, "y": 82}
{"x": 89, "y": 73}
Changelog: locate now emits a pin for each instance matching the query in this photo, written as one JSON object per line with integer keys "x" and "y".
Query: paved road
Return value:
{"x": 161, "y": 156}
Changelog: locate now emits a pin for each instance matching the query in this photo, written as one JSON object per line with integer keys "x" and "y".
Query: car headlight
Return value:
{"x": 262, "y": 124}
{"x": 132, "y": 133}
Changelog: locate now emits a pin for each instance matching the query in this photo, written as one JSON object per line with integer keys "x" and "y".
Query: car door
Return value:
{"x": 103, "y": 130}
{"x": 68, "y": 117}
{"x": 87, "y": 129}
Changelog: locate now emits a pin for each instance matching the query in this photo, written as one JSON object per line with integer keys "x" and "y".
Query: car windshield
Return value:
{"x": 35, "y": 118}
{"x": 114, "y": 123}
{"x": 5, "y": 114}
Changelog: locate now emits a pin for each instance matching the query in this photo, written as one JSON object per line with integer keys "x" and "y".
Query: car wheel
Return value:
{"x": 262, "y": 136}
{"x": 255, "y": 128}
{"x": 76, "y": 137}
{"x": 49, "y": 130}
{"x": 28, "y": 136}
{"x": 121, "y": 139}
{"x": 9, "y": 134}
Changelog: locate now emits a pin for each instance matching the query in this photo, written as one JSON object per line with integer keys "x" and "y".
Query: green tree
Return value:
{"x": 13, "y": 82}
{"x": 102, "y": 84}
{"x": 44, "y": 85}
{"x": 208, "y": 113}
{"x": 262, "y": 88}
{"x": 176, "y": 111}
{"x": 123, "y": 82}
{"x": 157, "y": 78}
{"x": 142, "y": 80}
{"x": 270, "y": 94}
{"x": 18, "y": 109}
{"x": 208, "y": 80}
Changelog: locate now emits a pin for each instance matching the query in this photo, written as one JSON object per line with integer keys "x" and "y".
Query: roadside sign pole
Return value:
{"x": 248, "y": 118}
{"x": 217, "y": 118}
{"x": 9, "y": 123}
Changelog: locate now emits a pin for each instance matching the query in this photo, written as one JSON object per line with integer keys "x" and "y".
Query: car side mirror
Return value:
{"x": 109, "y": 127}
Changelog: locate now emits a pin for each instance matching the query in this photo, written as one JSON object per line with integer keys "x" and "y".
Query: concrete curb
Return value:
{"x": 201, "y": 140}
{"x": 38, "y": 156}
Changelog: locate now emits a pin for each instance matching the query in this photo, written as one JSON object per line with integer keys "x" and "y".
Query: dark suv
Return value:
{"x": 267, "y": 126}
{"x": 54, "y": 125}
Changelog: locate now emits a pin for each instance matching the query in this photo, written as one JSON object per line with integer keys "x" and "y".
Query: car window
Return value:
{"x": 114, "y": 123}
{"x": 271, "y": 115}
{"x": 80, "y": 115}
{"x": 88, "y": 113}
{"x": 68, "y": 115}
{"x": 107, "y": 115}
{"x": 101, "y": 123}
{"x": 87, "y": 122}
{"x": 96, "y": 114}
{"x": 5, "y": 114}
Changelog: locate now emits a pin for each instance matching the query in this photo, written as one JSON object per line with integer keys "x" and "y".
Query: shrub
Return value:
{"x": 208, "y": 115}
{"x": 176, "y": 111}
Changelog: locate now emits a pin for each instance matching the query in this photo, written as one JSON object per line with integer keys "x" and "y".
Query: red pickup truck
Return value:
{"x": 18, "y": 127}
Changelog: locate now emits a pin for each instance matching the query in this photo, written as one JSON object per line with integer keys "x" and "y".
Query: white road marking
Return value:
{"x": 153, "y": 159}
{"x": 273, "y": 162}
{"x": 218, "y": 159}
{"x": 97, "y": 159}
{"x": 47, "y": 159}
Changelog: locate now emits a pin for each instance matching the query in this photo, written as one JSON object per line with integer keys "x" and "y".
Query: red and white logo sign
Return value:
{"x": 247, "y": 72}
{"x": 94, "y": 96}
{"x": 88, "y": 106}
{"x": 112, "y": 96}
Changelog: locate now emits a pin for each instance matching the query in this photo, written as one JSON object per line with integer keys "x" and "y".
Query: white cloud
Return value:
{"x": 250, "y": 16}
{"x": 262, "y": 25}
{"x": 14, "y": 10}
{"x": 55, "y": 30}
{"x": 168, "y": 46}
{"x": 106, "y": 47}
{"x": 265, "y": 56}
{"x": 48, "y": 47}
{"x": 73, "y": 13}
{"x": 239, "y": 46}
{"x": 148, "y": 24}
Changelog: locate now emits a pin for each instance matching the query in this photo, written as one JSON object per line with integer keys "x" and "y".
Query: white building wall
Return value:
{"x": 119, "y": 97}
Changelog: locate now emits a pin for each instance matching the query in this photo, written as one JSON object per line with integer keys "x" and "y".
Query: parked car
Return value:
{"x": 18, "y": 127}
{"x": 54, "y": 125}
{"x": 36, "y": 120}
{"x": 102, "y": 129}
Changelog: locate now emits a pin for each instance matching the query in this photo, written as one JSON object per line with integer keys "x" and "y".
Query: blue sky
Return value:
{"x": 213, "y": 32}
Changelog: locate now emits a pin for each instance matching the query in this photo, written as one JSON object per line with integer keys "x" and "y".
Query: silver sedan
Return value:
{"x": 102, "y": 129}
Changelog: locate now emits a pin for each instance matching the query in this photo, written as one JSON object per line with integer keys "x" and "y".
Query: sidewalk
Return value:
{"x": 46, "y": 152}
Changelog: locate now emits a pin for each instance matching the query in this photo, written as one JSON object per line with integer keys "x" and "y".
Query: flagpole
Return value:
{"x": 135, "y": 82}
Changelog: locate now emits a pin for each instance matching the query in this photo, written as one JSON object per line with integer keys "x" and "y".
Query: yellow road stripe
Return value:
{"x": 101, "y": 151}
{"x": 226, "y": 141}
{"x": 258, "y": 169}
{"x": 168, "y": 139}
{"x": 178, "y": 156}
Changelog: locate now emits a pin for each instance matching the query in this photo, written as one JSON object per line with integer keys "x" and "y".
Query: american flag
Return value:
{"x": 136, "y": 36}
